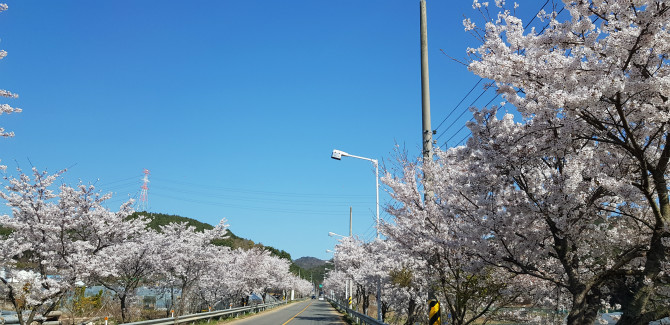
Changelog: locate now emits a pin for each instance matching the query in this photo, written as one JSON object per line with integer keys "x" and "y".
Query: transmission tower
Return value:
{"x": 144, "y": 194}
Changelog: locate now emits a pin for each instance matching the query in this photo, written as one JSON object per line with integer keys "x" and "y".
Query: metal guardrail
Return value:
{"x": 356, "y": 316}
{"x": 192, "y": 318}
{"x": 49, "y": 319}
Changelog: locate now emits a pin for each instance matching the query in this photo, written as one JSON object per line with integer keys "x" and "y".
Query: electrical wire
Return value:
{"x": 459, "y": 103}
{"x": 256, "y": 192}
{"x": 463, "y": 112}
{"x": 312, "y": 201}
{"x": 246, "y": 207}
{"x": 472, "y": 119}
{"x": 235, "y": 198}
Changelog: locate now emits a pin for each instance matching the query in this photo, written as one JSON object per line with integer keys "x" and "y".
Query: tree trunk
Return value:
{"x": 584, "y": 309}
{"x": 637, "y": 311}
{"x": 411, "y": 307}
{"x": 122, "y": 299}
{"x": 385, "y": 309}
{"x": 366, "y": 302}
{"x": 171, "y": 307}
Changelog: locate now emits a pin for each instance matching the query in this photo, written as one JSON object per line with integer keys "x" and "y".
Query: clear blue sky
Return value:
{"x": 234, "y": 106}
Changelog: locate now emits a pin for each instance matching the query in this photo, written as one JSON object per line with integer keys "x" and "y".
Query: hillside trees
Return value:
{"x": 601, "y": 77}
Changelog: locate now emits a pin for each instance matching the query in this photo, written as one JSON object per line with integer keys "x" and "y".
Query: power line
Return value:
{"x": 246, "y": 207}
{"x": 459, "y": 103}
{"x": 315, "y": 201}
{"x": 459, "y": 142}
{"x": 464, "y": 125}
{"x": 459, "y": 130}
{"x": 257, "y": 192}
{"x": 538, "y": 12}
{"x": 235, "y": 198}
{"x": 463, "y": 112}
{"x": 119, "y": 181}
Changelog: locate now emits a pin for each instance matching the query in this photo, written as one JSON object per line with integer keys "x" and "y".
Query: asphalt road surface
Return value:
{"x": 309, "y": 312}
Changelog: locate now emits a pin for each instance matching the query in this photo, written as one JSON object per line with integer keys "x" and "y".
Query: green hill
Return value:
{"x": 233, "y": 241}
{"x": 160, "y": 219}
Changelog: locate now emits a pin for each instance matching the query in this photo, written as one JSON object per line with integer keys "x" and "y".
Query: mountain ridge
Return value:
{"x": 309, "y": 262}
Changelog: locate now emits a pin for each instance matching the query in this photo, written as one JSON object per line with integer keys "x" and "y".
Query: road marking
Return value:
{"x": 296, "y": 315}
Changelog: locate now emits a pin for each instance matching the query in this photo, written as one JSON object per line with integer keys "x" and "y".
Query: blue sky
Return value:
{"x": 234, "y": 106}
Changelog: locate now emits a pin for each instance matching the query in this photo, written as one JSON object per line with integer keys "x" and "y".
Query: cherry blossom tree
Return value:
{"x": 403, "y": 284}
{"x": 262, "y": 271}
{"x": 548, "y": 213}
{"x": 369, "y": 266}
{"x": 186, "y": 256}
{"x": 236, "y": 274}
{"x": 600, "y": 76}
{"x": 352, "y": 257}
{"x": 253, "y": 276}
{"x": 335, "y": 281}
{"x": 275, "y": 274}
{"x": 221, "y": 282}
{"x": 57, "y": 238}
{"x": 136, "y": 262}
{"x": 429, "y": 231}
{"x": 301, "y": 286}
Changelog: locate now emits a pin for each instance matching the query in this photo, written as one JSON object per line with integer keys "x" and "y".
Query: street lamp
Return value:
{"x": 338, "y": 154}
{"x": 332, "y": 234}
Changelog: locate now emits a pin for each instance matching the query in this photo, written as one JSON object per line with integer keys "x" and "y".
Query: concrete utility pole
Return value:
{"x": 425, "y": 92}
{"x": 433, "y": 303}
{"x": 351, "y": 232}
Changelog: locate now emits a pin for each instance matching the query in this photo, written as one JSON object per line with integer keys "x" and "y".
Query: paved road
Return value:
{"x": 309, "y": 312}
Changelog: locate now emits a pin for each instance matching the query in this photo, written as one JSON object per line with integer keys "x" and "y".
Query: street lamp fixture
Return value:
{"x": 337, "y": 154}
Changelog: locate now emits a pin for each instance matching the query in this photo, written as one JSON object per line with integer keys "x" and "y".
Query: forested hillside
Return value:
{"x": 233, "y": 241}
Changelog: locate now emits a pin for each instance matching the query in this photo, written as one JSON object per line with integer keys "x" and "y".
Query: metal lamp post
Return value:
{"x": 349, "y": 286}
{"x": 337, "y": 155}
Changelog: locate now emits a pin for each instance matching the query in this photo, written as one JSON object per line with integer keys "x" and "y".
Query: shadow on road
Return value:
{"x": 326, "y": 319}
